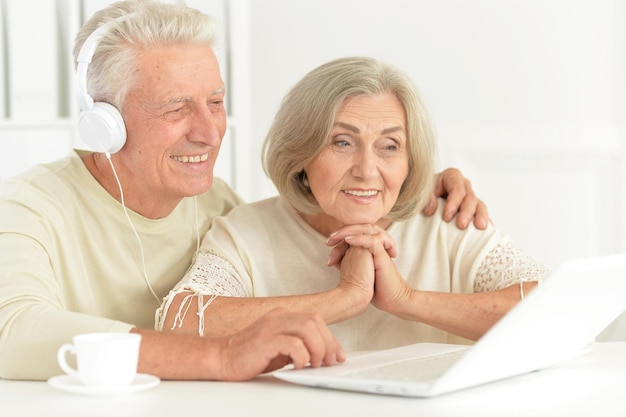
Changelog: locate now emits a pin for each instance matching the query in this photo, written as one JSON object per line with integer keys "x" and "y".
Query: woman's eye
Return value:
{"x": 390, "y": 145}
{"x": 341, "y": 140}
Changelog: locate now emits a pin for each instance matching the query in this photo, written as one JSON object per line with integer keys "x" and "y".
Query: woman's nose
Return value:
{"x": 365, "y": 165}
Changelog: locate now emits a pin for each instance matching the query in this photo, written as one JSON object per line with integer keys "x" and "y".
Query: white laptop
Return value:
{"x": 557, "y": 320}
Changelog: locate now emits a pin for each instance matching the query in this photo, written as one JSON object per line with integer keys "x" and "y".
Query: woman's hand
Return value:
{"x": 340, "y": 245}
{"x": 389, "y": 287}
{"x": 356, "y": 280}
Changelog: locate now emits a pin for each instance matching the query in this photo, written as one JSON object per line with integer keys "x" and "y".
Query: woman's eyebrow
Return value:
{"x": 391, "y": 130}
{"x": 348, "y": 126}
{"x": 356, "y": 129}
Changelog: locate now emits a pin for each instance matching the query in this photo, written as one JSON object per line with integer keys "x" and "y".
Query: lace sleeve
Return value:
{"x": 506, "y": 265}
{"x": 211, "y": 275}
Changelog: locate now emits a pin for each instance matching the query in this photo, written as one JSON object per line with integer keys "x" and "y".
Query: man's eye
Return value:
{"x": 174, "y": 114}
{"x": 175, "y": 110}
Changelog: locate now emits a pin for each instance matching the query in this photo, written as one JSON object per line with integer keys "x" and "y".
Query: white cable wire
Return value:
{"x": 132, "y": 226}
{"x": 195, "y": 209}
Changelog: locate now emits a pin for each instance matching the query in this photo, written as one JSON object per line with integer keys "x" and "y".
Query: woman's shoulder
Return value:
{"x": 421, "y": 226}
{"x": 268, "y": 208}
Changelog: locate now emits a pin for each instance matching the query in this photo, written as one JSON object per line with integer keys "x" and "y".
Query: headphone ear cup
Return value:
{"x": 102, "y": 128}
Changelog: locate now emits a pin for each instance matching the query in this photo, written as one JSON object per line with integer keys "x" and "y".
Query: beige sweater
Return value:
{"x": 267, "y": 249}
{"x": 70, "y": 263}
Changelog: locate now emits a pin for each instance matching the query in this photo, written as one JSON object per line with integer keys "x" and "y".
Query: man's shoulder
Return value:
{"x": 220, "y": 198}
{"x": 258, "y": 213}
{"x": 47, "y": 178}
{"x": 267, "y": 207}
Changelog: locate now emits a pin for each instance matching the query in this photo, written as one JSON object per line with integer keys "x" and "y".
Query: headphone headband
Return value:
{"x": 100, "y": 124}
{"x": 87, "y": 51}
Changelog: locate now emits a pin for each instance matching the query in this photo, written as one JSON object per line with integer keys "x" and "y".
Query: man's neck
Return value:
{"x": 144, "y": 204}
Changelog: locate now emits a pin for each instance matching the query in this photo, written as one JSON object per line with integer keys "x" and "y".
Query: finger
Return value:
{"x": 380, "y": 256}
{"x": 350, "y": 230}
{"x": 450, "y": 178}
{"x": 319, "y": 341}
{"x": 481, "y": 218}
{"x": 369, "y": 242}
{"x": 314, "y": 344}
{"x": 280, "y": 361}
{"x": 310, "y": 333}
{"x": 337, "y": 254}
{"x": 431, "y": 206}
{"x": 455, "y": 200}
{"x": 333, "y": 351}
{"x": 390, "y": 247}
{"x": 292, "y": 347}
{"x": 467, "y": 210}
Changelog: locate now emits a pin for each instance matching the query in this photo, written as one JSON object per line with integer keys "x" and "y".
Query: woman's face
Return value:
{"x": 357, "y": 176}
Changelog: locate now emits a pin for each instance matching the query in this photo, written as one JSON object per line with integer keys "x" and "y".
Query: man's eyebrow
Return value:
{"x": 219, "y": 90}
{"x": 175, "y": 100}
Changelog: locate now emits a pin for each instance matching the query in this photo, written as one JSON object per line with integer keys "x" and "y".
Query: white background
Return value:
{"x": 528, "y": 96}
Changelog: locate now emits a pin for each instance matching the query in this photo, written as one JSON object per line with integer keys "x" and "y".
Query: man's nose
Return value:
{"x": 207, "y": 127}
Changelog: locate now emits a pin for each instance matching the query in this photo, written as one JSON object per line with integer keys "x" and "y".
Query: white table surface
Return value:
{"x": 591, "y": 385}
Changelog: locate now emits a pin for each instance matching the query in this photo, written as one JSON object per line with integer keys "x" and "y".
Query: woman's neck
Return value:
{"x": 325, "y": 224}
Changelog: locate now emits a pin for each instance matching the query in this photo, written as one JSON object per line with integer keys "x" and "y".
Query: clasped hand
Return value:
{"x": 363, "y": 254}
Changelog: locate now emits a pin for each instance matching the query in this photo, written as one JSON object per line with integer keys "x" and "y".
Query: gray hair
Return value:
{"x": 152, "y": 23}
{"x": 304, "y": 120}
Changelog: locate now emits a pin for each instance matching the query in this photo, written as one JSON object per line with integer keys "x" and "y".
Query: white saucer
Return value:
{"x": 70, "y": 384}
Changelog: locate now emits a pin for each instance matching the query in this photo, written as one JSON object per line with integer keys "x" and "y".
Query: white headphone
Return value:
{"x": 100, "y": 124}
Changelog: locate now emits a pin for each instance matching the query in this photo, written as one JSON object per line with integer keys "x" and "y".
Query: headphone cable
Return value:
{"x": 132, "y": 226}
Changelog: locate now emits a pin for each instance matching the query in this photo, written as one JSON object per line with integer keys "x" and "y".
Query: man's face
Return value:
{"x": 175, "y": 120}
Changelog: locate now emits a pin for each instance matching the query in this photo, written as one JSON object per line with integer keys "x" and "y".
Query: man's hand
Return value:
{"x": 275, "y": 340}
{"x": 460, "y": 198}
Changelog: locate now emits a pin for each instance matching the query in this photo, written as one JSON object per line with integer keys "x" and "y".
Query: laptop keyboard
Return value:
{"x": 417, "y": 370}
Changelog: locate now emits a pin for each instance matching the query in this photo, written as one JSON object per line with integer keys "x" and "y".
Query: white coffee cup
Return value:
{"x": 102, "y": 359}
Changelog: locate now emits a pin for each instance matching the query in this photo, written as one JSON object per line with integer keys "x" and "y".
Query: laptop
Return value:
{"x": 558, "y": 320}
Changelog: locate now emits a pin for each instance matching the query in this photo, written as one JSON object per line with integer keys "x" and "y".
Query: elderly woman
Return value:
{"x": 351, "y": 152}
